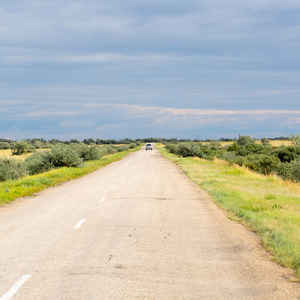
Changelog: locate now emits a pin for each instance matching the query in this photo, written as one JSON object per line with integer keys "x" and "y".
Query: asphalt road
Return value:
{"x": 136, "y": 229}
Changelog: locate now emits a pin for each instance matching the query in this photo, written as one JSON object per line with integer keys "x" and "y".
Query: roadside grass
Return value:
{"x": 265, "y": 204}
{"x": 26, "y": 186}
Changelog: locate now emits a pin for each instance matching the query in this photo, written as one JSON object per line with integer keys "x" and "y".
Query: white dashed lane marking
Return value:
{"x": 79, "y": 223}
{"x": 14, "y": 289}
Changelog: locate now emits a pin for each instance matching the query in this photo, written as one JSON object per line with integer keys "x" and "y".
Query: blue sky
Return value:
{"x": 168, "y": 68}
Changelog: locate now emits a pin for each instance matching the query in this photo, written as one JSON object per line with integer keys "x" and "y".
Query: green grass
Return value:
{"x": 26, "y": 186}
{"x": 265, "y": 204}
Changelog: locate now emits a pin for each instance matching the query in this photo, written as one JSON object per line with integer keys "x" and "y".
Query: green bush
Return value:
{"x": 19, "y": 148}
{"x": 110, "y": 149}
{"x": 86, "y": 152}
{"x": 62, "y": 156}
{"x": 36, "y": 163}
{"x": 245, "y": 140}
{"x": 4, "y": 145}
{"x": 265, "y": 141}
{"x": 172, "y": 148}
{"x": 295, "y": 170}
{"x": 261, "y": 163}
{"x": 229, "y": 156}
{"x": 261, "y": 158}
{"x": 250, "y": 149}
{"x": 11, "y": 169}
{"x": 132, "y": 145}
{"x": 233, "y": 147}
{"x": 214, "y": 145}
{"x": 195, "y": 149}
{"x": 287, "y": 154}
{"x": 290, "y": 171}
{"x": 185, "y": 150}
{"x": 59, "y": 156}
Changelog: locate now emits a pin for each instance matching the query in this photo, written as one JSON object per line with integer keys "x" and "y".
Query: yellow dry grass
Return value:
{"x": 274, "y": 143}
{"x": 7, "y": 154}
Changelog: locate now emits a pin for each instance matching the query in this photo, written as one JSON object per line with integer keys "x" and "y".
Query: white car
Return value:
{"x": 149, "y": 147}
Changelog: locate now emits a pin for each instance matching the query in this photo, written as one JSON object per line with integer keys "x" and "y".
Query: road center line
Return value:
{"x": 79, "y": 223}
{"x": 14, "y": 289}
{"x": 103, "y": 199}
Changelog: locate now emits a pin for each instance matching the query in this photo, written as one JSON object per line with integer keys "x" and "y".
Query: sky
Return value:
{"x": 154, "y": 68}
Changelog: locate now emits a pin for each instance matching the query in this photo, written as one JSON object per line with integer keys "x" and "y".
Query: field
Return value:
{"x": 7, "y": 153}
{"x": 274, "y": 143}
{"x": 265, "y": 204}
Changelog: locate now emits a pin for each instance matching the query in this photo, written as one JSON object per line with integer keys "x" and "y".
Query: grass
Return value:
{"x": 265, "y": 204}
{"x": 274, "y": 143}
{"x": 26, "y": 186}
{"x": 7, "y": 153}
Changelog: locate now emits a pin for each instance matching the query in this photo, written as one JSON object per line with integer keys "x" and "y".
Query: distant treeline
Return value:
{"x": 36, "y": 143}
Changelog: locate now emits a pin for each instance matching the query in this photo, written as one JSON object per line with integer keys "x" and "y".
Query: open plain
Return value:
{"x": 136, "y": 229}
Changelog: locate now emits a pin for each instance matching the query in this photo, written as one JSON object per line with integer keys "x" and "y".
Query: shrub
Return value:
{"x": 19, "y": 148}
{"x": 287, "y": 154}
{"x": 4, "y": 145}
{"x": 198, "y": 150}
{"x": 109, "y": 149}
{"x": 265, "y": 141}
{"x": 250, "y": 149}
{"x": 214, "y": 145}
{"x": 245, "y": 140}
{"x": 290, "y": 171}
{"x": 62, "y": 156}
{"x": 122, "y": 148}
{"x": 185, "y": 149}
{"x": 86, "y": 152}
{"x": 172, "y": 148}
{"x": 11, "y": 169}
{"x": 261, "y": 163}
{"x": 59, "y": 156}
{"x": 295, "y": 170}
{"x": 228, "y": 156}
{"x": 295, "y": 139}
{"x": 36, "y": 163}
{"x": 132, "y": 145}
{"x": 233, "y": 147}
{"x": 38, "y": 145}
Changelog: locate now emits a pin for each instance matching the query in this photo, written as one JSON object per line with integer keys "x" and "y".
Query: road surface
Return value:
{"x": 136, "y": 229}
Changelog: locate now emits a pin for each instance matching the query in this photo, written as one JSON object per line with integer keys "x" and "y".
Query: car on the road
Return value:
{"x": 149, "y": 147}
